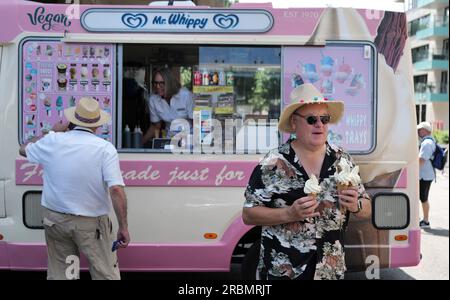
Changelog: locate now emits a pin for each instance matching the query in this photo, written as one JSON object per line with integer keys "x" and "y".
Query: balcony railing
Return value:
{"x": 428, "y": 92}
{"x": 435, "y": 22}
{"x": 430, "y": 88}
{"x": 429, "y": 55}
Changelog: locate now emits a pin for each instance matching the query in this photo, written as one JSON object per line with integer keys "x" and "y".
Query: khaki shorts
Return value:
{"x": 66, "y": 235}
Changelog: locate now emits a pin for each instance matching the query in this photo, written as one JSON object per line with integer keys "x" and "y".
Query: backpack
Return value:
{"x": 439, "y": 158}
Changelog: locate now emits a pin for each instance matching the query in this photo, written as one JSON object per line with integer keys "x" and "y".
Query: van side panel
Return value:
{"x": 163, "y": 257}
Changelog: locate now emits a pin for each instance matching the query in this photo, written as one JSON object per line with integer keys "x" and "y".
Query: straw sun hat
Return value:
{"x": 87, "y": 113}
{"x": 308, "y": 94}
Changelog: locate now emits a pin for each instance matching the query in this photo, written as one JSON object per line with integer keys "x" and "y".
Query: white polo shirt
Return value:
{"x": 78, "y": 169}
{"x": 181, "y": 107}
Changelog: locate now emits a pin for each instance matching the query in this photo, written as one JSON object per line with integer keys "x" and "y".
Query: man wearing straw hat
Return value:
{"x": 79, "y": 171}
{"x": 302, "y": 232}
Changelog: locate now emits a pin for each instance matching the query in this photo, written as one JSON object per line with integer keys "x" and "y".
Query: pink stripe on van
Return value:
{"x": 409, "y": 254}
{"x": 162, "y": 173}
{"x": 141, "y": 257}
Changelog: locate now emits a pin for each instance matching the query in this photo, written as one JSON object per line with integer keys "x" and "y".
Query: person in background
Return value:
{"x": 293, "y": 194}
{"x": 135, "y": 110}
{"x": 426, "y": 170}
{"x": 169, "y": 102}
{"x": 80, "y": 169}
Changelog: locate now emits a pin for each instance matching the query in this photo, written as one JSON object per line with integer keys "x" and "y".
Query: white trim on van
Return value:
{"x": 189, "y": 39}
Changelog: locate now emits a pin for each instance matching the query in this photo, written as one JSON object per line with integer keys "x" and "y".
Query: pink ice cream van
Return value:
{"x": 185, "y": 197}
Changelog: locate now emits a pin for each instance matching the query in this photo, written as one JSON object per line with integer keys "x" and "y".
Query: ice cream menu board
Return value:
{"x": 340, "y": 72}
{"x": 56, "y": 75}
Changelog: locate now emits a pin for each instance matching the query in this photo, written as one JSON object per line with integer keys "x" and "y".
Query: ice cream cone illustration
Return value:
{"x": 72, "y": 101}
{"x": 49, "y": 50}
{"x": 326, "y": 65}
{"x": 59, "y": 106}
{"x": 327, "y": 87}
{"x": 106, "y": 103}
{"x": 296, "y": 80}
{"x": 311, "y": 73}
{"x": 45, "y": 127}
{"x": 48, "y": 106}
{"x": 356, "y": 84}
{"x": 30, "y": 121}
{"x": 343, "y": 73}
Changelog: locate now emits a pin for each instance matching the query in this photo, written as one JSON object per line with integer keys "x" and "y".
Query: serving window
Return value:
{"x": 235, "y": 94}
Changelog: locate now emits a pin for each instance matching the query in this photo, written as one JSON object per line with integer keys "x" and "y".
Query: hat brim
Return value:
{"x": 335, "y": 109}
{"x": 69, "y": 113}
{"x": 427, "y": 127}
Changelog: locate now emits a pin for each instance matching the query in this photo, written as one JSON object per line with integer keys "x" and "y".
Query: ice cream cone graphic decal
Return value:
{"x": 59, "y": 106}
{"x": 326, "y": 65}
{"x": 343, "y": 73}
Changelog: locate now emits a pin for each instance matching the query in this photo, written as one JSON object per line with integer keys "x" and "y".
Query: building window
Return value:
{"x": 445, "y": 48}
{"x": 420, "y": 83}
{"x": 446, "y": 16}
{"x": 418, "y": 24}
{"x": 420, "y": 53}
{"x": 444, "y": 82}
{"x": 421, "y": 111}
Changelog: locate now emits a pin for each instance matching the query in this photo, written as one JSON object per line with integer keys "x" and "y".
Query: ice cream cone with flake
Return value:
{"x": 346, "y": 176}
{"x": 312, "y": 187}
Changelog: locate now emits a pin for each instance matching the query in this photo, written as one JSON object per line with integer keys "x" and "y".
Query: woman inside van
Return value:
{"x": 169, "y": 104}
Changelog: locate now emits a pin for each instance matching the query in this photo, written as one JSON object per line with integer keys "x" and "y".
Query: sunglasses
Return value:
{"x": 311, "y": 120}
{"x": 158, "y": 83}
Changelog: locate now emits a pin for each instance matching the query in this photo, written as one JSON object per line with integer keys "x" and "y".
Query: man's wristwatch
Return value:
{"x": 359, "y": 206}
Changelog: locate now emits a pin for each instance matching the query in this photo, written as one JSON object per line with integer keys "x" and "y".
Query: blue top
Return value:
{"x": 426, "y": 151}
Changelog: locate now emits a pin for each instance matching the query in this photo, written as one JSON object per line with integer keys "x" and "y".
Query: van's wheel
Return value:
{"x": 250, "y": 263}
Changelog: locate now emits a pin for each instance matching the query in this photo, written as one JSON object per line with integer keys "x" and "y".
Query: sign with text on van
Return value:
{"x": 162, "y": 173}
{"x": 172, "y": 20}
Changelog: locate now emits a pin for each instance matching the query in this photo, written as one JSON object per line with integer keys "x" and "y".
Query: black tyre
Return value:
{"x": 250, "y": 263}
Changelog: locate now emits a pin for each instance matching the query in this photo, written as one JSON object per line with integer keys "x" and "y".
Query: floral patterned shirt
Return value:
{"x": 310, "y": 249}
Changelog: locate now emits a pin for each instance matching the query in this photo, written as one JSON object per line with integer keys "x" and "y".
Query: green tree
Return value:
{"x": 266, "y": 88}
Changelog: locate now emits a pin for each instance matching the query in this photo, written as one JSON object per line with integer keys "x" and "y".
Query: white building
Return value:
{"x": 428, "y": 30}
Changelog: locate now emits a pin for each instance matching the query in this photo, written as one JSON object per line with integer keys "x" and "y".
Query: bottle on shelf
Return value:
{"x": 222, "y": 78}
{"x": 127, "y": 137}
{"x": 197, "y": 78}
{"x": 205, "y": 77}
{"x": 230, "y": 78}
{"x": 215, "y": 78}
{"x": 211, "y": 78}
{"x": 137, "y": 137}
